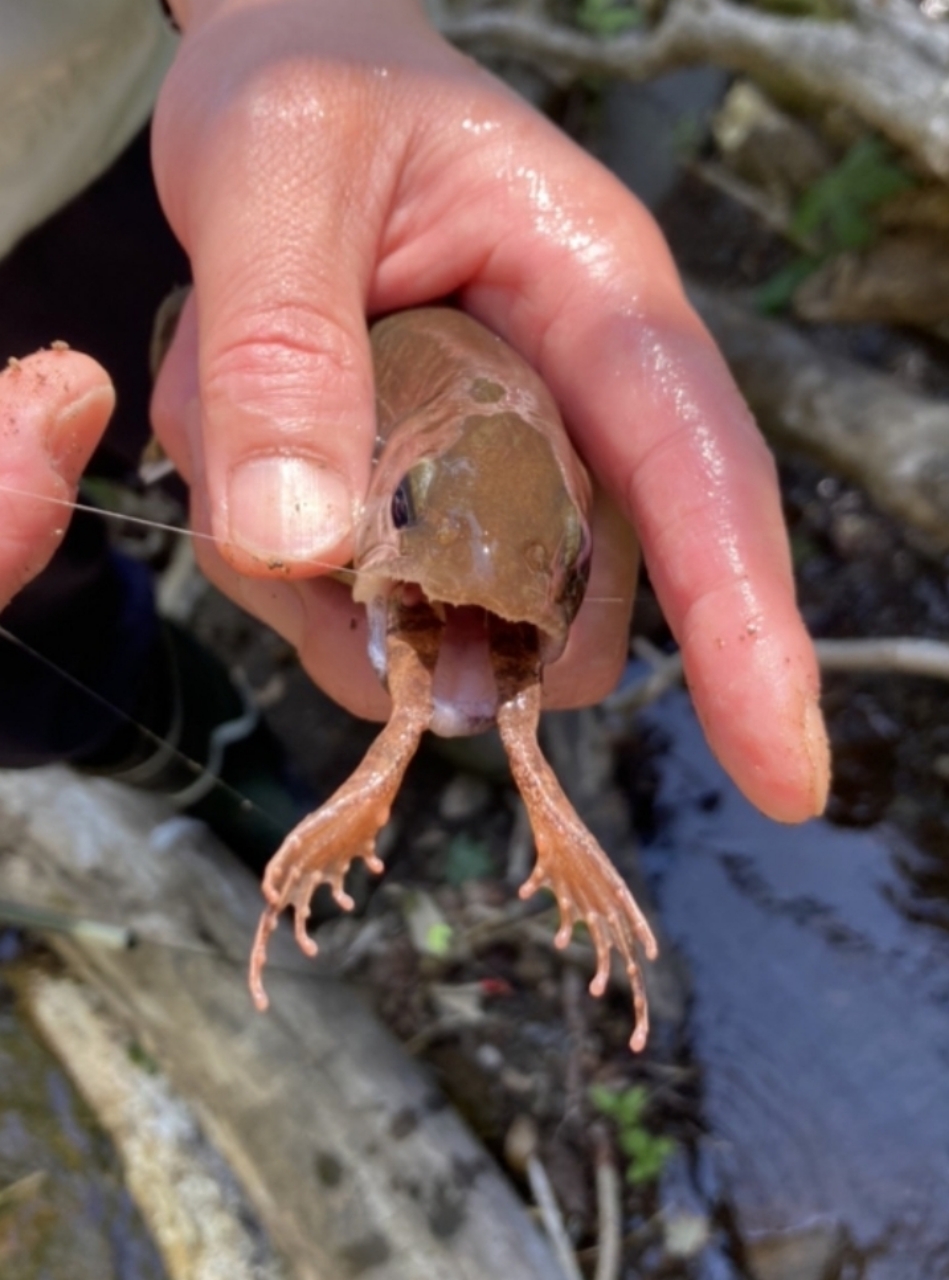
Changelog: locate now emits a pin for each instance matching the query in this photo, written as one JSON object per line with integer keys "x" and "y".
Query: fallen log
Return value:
{"x": 892, "y": 442}
{"x": 345, "y": 1150}
{"x": 903, "y": 279}
{"x": 887, "y": 64}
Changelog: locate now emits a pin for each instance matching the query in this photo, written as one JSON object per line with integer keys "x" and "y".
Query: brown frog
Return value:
{"x": 472, "y": 555}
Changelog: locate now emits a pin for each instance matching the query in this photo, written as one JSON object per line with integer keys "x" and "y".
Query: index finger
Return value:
{"x": 54, "y": 406}
{"x": 592, "y": 297}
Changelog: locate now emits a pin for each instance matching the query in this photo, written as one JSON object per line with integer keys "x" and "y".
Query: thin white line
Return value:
{"x": 139, "y": 520}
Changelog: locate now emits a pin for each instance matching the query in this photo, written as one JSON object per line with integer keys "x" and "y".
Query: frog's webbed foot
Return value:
{"x": 586, "y": 885}
{"x": 322, "y": 847}
{"x": 570, "y": 862}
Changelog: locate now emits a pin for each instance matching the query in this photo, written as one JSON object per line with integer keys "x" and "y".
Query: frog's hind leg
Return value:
{"x": 322, "y": 847}
{"x": 569, "y": 860}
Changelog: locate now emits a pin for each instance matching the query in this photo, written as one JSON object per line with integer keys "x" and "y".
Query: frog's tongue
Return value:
{"x": 464, "y": 690}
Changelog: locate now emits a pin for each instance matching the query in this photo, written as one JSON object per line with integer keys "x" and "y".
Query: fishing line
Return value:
{"x": 123, "y": 518}
{"x": 144, "y": 522}
{"x": 244, "y": 802}
{"x": 116, "y": 935}
{"x": 106, "y": 512}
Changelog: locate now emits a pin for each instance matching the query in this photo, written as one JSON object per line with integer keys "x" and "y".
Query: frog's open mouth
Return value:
{"x": 464, "y": 689}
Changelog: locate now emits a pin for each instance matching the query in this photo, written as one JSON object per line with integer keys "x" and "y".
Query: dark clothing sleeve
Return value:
{"x": 94, "y": 276}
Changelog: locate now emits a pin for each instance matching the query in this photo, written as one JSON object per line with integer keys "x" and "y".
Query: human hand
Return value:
{"x": 54, "y": 406}
{"x": 321, "y": 162}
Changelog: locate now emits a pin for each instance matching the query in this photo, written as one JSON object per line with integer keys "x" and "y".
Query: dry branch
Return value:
{"x": 900, "y": 655}
{"x": 889, "y": 66}
{"x": 609, "y": 1199}
{"x": 888, "y": 655}
{"x": 892, "y": 442}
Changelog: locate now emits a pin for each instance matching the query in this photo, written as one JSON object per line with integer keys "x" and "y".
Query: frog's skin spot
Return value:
{"x": 486, "y": 391}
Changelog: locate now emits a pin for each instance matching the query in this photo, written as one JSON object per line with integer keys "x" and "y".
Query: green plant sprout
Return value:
{"x": 646, "y": 1153}
{"x": 836, "y": 215}
{"x": 837, "y": 210}
{"x": 438, "y": 939}
{"x": 606, "y": 17}
{"x": 467, "y": 859}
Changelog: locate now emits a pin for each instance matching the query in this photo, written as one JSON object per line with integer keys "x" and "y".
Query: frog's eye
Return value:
{"x": 403, "y": 508}
{"x": 409, "y": 500}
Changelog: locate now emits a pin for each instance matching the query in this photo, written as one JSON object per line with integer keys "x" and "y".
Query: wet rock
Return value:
{"x": 465, "y": 797}
{"x": 192, "y": 1203}
{"x": 904, "y": 279}
{"x": 767, "y": 147}
{"x": 64, "y": 1211}
{"x": 814, "y": 1252}
{"x": 319, "y": 1083}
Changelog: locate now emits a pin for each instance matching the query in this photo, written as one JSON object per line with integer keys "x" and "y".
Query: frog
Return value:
{"x": 472, "y": 555}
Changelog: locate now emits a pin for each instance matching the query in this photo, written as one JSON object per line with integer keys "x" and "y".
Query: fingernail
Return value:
{"x": 818, "y": 753}
{"x": 279, "y": 605}
{"x": 67, "y": 447}
{"x": 288, "y": 508}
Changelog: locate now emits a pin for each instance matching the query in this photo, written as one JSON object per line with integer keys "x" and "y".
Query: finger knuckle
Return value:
{"x": 290, "y": 349}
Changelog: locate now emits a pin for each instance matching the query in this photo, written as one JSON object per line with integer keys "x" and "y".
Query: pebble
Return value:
{"x": 464, "y": 798}
{"x": 812, "y": 1252}
{"x": 489, "y": 1058}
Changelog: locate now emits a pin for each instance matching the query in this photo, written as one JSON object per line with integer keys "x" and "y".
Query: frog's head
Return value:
{"x": 477, "y": 502}
{"x": 486, "y": 525}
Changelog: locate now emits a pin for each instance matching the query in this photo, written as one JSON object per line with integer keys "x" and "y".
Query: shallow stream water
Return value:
{"x": 820, "y": 1018}
{"x": 65, "y": 1213}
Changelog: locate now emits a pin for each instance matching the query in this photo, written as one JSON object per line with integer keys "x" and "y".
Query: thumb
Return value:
{"x": 282, "y": 232}
{"x": 54, "y": 406}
